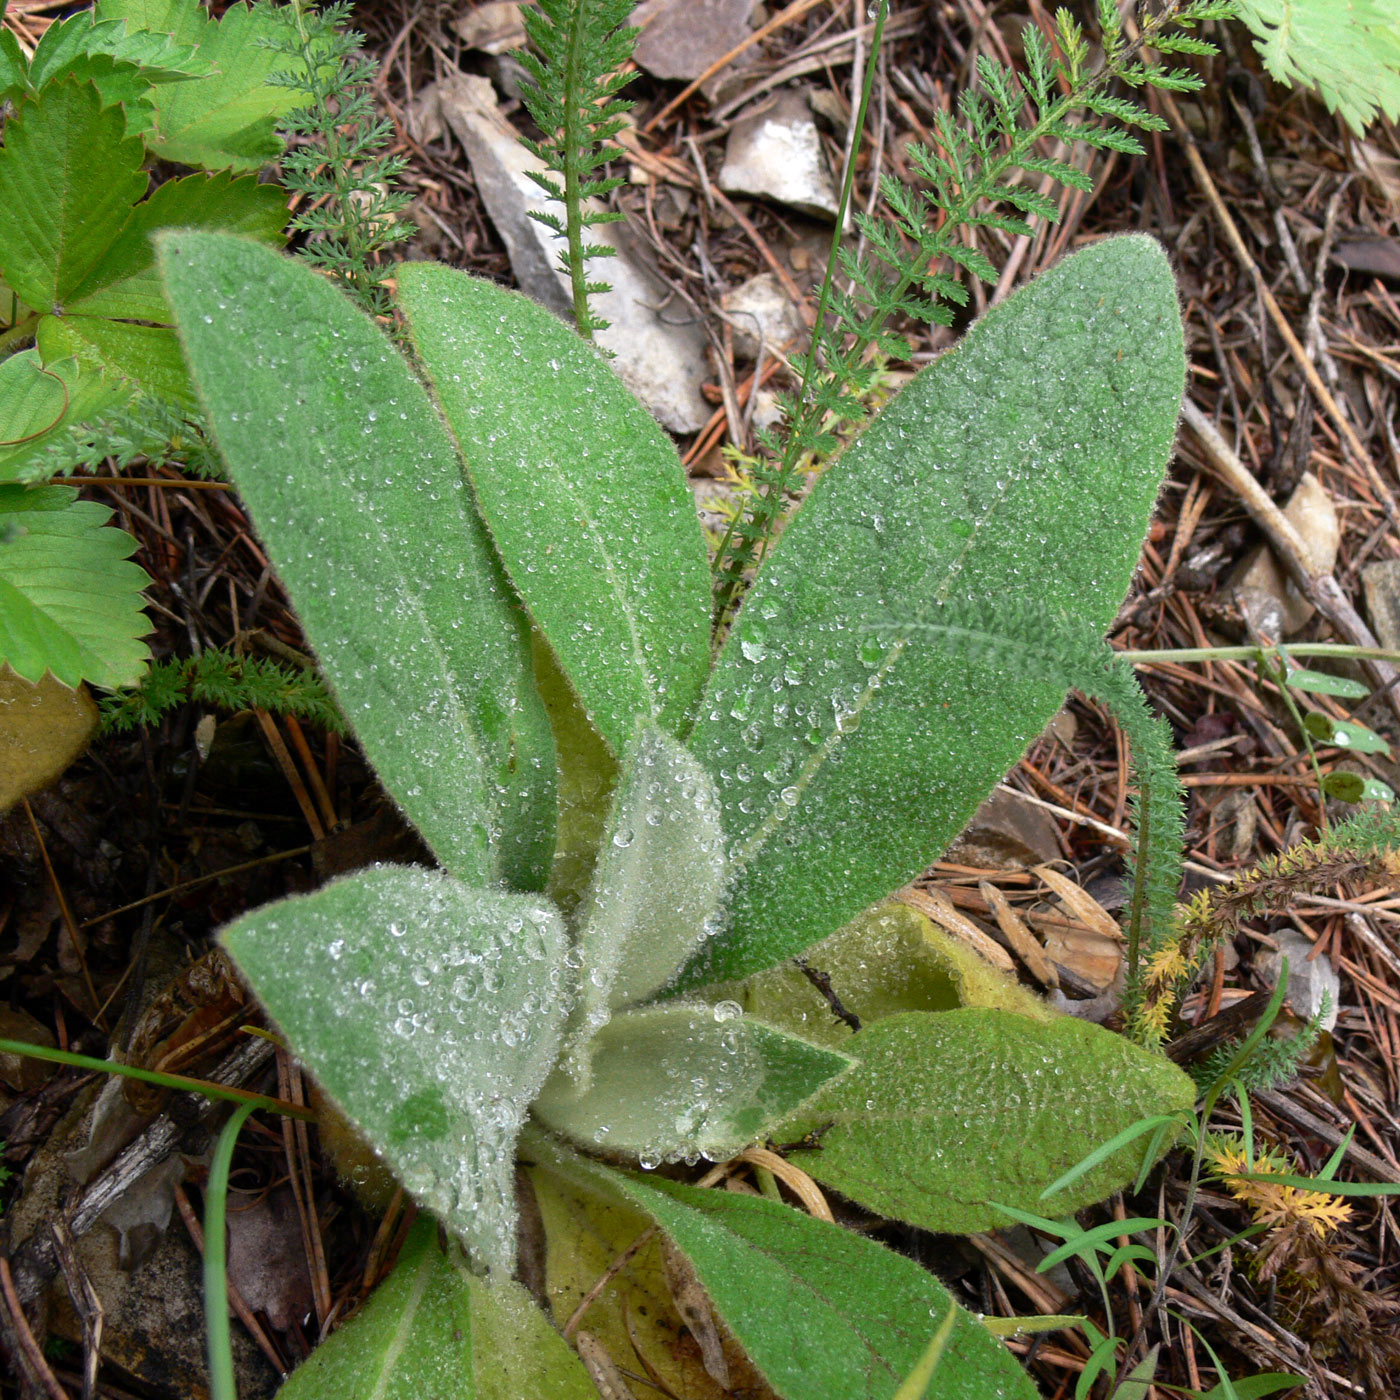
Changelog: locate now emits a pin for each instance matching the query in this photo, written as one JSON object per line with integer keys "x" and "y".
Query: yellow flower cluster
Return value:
{"x": 1272, "y": 1203}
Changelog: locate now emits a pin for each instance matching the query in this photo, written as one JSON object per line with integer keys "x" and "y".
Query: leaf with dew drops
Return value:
{"x": 431, "y": 1013}
{"x": 1022, "y": 465}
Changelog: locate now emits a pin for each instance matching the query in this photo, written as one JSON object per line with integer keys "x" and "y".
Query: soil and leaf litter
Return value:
{"x": 635, "y": 836}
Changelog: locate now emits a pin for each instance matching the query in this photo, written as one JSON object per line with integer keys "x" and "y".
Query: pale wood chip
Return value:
{"x": 939, "y": 908}
{"x": 1021, "y": 939}
{"x": 1081, "y": 903}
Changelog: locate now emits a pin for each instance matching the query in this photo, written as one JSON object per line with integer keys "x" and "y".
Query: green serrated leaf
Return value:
{"x": 38, "y": 401}
{"x": 358, "y": 494}
{"x": 125, "y": 285}
{"x": 1023, "y": 465}
{"x": 70, "y": 598}
{"x": 948, "y": 1112}
{"x": 820, "y": 1311}
{"x": 68, "y": 178}
{"x": 685, "y": 1080}
{"x": 148, "y": 357}
{"x": 433, "y": 1331}
{"x": 582, "y": 491}
{"x": 227, "y": 120}
{"x": 431, "y": 1013}
{"x": 14, "y": 67}
{"x": 1348, "y": 51}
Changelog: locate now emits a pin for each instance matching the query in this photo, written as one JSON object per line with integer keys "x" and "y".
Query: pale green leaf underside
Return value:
{"x": 431, "y": 1013}
{"x": 821, "y": 1311}
{"x": 1023, "y": 465}
{"x": 70, "y": 598}
{"x": 673, "y": 1081}
{"x": 38, "y": 402}
{"x": 1348, "y": 50}
{"x": 658, "y": 880}
{"x": 226, "y": 120}
{"x": 433, "y": 1331}
{"x": 582, "y": 491}
{"x": 68, "y": 178}
{"x": 949, "y": 1111}
{"x": 357, "y": 491}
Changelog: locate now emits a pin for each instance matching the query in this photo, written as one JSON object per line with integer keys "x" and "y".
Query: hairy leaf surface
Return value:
{"x": 1022, "y": 465}
{"x": 357, "y": 490}
{"x": 821, "y": 1311}
{"x": 949, "y": 1111}
{"x": 431, "y": 1012}
{"x": 682, "y": 1079}
{"x": 658, "y": 881}
{"x": 583, "y": 494}
{"x": 70, "y": 597}
{"x": 433, "y": 1331}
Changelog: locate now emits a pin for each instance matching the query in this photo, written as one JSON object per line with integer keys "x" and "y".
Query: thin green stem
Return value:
{"x": 1145, "y": 855}
{"x": 218, "y": 1338}
{"x": 1341, "y": 651}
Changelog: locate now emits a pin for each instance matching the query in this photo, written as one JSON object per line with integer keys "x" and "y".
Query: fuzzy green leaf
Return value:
{"x": 1022, "y": 466}
{"x": 38, "y": 402}
{"x": 70, "y": 598}
{"x": 1347, "y": 50}
{"x": 227, "y": 120}
{"x": 431, "y": 1013}
{"x": 358, "y": 493}
{"x": 658, "y": 882}
{"x": 821, "y": 1311}
{"x": 684, "y": 1079}
{"x": 947, "y": 1112}
{"x": 68, "y": 178}
{"x": 433, "y": 1331}
{"x": 583, "y": 493}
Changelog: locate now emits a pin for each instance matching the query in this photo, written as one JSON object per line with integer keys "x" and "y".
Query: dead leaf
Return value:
{"x": 43, "y": 728}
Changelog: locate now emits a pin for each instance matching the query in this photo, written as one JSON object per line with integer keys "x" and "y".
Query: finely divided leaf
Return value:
{"x": 947, "y": 1112}
{"x": 1022, "y": 466}
{"x": 431, "y": 1013}
{"x": 821, "y": 1311}
{"x": 70, "y": 598}
{"x": 683, "y": 1080}
{"x": 433, "y": 1331}
{"x": 358, "y": 493}
{"x": 658, "y": 881}
{"x": 582, "y": 491}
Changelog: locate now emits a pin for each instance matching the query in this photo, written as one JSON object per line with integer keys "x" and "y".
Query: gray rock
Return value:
{"x": 1270, "y": 597}
{"x": 777, "y": 154}
{"x": 494, "y": 27}
{"x": 660, "y": 354}
{"x": 680, "y": 39}
{"x": 760, "y": 308}
{"x": 1310, "y": 980}
{"x": 1381, "y": 582}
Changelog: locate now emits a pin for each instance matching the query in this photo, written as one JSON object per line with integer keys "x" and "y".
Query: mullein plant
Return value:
{"x": 640, "y": 817}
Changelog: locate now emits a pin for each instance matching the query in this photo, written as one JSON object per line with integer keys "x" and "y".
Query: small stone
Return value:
{"x": 494, "y": 27}
{"x": 1311, "y": 980}
{"x": 777, "y": 154}
{"x": 761, "y": 310}
{"x": 1006, "y": 834}
{"x": 1381, "y": 582}
{"x": 680, "y": 39}
{"x": 1264, "y": 591}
